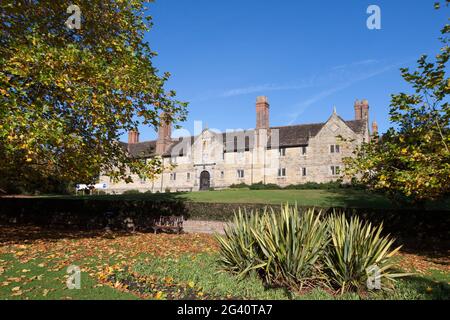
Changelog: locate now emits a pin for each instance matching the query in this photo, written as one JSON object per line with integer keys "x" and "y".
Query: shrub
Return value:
{"x": 239, "y": 186}
{"x": 131, "y": 191}
{"x": 238, "y": 247}
{"x": 262, "y": 186}
{"x": 314, "y": 185}
{"x": 333, "y": 185}
{"x": 303, "y": 250}
{"x": 284, "y": 248}
{"x": 355, "y": 249}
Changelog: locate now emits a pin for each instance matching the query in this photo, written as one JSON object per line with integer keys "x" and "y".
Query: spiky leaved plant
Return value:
{"x": 292, "y": 244}
{"x": 286, "y": 247}
{"x": 238, "y": 248}
{"x": 356, "y": 252}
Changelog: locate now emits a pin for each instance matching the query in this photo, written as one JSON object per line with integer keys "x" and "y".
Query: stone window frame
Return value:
{"x": 303, "y": 171}
{"x": 239, "y": 171}
{"x": 303, "y": 150}
{"x": 335, "y": 170}
{"x": 188, "y": 176}
{"x": 247, "y": 143}
{"x": 335, "y": 148}
{"x": 173, "y": 176}
{"x": 282, "y": 152}
{"x": 281, "y": 172}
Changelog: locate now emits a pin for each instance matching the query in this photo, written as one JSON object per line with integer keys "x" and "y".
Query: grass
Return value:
{"x": 203, "y": 273}
{"x": 31, "y": 280}
{"x": 346, "y": 198}
{"x": 33, "y": 264}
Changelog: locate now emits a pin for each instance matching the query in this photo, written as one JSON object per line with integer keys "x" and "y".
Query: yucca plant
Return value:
{"x": 292, "y": 244}
{"x": 238, "y": 248}
{"x": 285, "y": 247}
{"x": 356, "y": 250}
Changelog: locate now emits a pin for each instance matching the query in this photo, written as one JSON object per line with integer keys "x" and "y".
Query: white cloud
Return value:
{"x": 302, "y": 105}
{"x": 264, "y": 88}
{"x": 355, "y": 64}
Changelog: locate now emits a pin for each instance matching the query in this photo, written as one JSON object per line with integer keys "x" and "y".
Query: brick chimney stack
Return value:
{"x": 164, "y": 135}
{"x": 375, "y": 130}
{"x": 262, "y": 113}
{"x": 365, "y": 110}
{"x": 358, "y": 110}
{"x": 133, "y": 137}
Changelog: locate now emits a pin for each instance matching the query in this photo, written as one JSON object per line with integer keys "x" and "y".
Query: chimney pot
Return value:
{"x": 262, "y": 99}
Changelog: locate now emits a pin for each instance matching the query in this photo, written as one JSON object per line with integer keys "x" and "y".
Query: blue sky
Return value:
{"x": 306, "y": 56}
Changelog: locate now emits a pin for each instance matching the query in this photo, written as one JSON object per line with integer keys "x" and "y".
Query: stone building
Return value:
{"x": 280, "y": 155}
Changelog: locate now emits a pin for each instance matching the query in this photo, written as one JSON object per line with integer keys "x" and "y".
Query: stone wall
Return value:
{"x": 210, "y": 227}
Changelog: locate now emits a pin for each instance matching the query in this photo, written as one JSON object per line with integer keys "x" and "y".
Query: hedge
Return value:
{"x": 413, "y": 225}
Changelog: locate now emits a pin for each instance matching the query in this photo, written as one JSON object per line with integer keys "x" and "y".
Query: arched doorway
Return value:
{"x": 205, "y": 180}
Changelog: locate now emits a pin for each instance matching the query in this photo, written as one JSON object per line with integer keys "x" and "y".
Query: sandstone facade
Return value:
{"x": 279, "y": 155}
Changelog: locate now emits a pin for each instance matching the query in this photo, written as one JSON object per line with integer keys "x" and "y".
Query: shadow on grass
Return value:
{"x": 52, "y": 218}
{"x": 421, "y": 287}
{"x": 436, "y": 255}
{"x": 32, "y": 234}
{"x": 349, "y": 198}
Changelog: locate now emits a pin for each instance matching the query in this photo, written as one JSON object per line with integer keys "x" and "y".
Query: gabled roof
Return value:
{"x": 142, "y": 149}
{"x": 297, "y": 135}
{"x": 358, "y": 126}
{"x": 289, "y": 136}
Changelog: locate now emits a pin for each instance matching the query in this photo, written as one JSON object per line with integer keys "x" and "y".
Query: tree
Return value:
{"x": 413, "y": 159}
{"x": 67, "y": 94}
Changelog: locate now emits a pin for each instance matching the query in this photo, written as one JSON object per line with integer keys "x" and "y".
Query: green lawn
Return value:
{"x": 320, "y": 198}
{"x": 33, "y": 265}
{"x": 34, "y": 280}
{"x": 186, "y": 277}
{"x": 347, "y": 198}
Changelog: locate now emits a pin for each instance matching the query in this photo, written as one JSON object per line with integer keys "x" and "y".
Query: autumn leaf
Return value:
{"x": 159, "y": 295}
